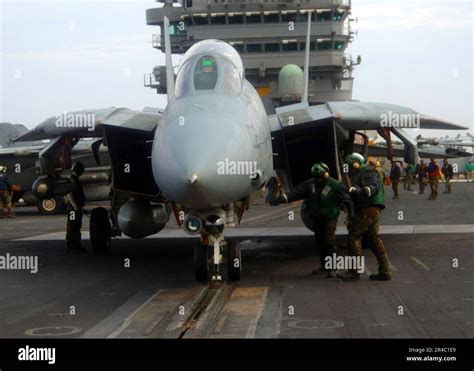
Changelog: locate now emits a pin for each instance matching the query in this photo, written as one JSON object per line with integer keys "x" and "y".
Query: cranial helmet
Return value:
{"x": 320, "y": 170}
{"x": 355, "y": 160}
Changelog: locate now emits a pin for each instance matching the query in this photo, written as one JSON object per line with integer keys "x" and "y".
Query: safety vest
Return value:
{"x": 321, "y": 203}
{"x": 434, "y": 170}
{"x": 363, "y": 201}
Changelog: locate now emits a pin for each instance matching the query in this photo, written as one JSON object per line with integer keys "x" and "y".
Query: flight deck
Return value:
{"x": 145, "y": 288}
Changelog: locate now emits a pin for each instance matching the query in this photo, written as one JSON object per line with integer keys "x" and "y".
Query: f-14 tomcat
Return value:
{"x": 172, "y": 159}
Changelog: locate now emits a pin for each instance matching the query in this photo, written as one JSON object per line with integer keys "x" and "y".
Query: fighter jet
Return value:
{"x": 210, "y": 150}
{"x": 22, "y": 169}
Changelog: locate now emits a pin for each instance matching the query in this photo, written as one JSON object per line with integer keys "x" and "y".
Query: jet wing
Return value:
{"x": 303, "y": 134}
{"x": 381, "y": 151}
{"x": 89, "y": 123}
{"x": 357, "y": 116}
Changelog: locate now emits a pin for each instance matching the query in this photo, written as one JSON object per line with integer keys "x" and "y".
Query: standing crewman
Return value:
{"x": 409, "y": 174}
{"x": 395, "y": 174}
{"x": 368, "y": 195}
{"x": 324, "y": 197}
{"x": 421, "y": 173}
{"x": 76, "y": 201}
{"x": 380, "y": 170}
{"x": 434, "y": 174}
{"x": 448, "y": 173}
{"x": 469, "y": 167}
{"x": 5, "y": 189}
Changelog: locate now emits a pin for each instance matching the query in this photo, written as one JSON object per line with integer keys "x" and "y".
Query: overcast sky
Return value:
{"x": 64, "y": 56}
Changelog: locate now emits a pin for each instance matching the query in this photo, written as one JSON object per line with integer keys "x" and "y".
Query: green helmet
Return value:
{"x": 355, "y": 158}
{"x": 319, "y": 170}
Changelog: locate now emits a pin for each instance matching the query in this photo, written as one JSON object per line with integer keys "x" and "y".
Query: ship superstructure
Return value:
{"x": 270, "y": 37}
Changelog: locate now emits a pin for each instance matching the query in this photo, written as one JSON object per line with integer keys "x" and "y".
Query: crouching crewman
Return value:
{"x": 324, "y": 197}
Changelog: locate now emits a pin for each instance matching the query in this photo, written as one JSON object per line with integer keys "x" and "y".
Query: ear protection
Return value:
{"x": 356, "y": 165}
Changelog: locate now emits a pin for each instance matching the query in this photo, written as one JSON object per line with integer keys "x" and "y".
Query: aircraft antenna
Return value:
{"x": 304, "y": 93}
{"x": 169, "y": 62}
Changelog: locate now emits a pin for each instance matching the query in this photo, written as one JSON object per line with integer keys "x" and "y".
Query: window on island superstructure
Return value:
{"x": 289, "y": 17}
{"x": 236, "y": 19}
{"x": 339, "y": 14}
{"x": 290, "y": 47}
{"x": 271, "y": 18}
{"x": 218, "y": 19}
{"x": 254, "y": 48}
{"x": 254, "y": 18}
{"x": 323, "y": 15}
{"x": 324, "y": 44}
{"x": 200, "y": 20}
{"x": 272, "y": 47}
{"x": 339, "y": 45}
{"x": 312, "y": 45}
{"x": 239, "y": 48}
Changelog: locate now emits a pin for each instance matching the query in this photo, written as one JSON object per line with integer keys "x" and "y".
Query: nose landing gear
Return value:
{"x": 213, "y": 255}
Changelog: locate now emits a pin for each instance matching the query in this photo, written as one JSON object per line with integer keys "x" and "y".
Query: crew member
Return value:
{"x": 5, "y": 198}
{"x": 395, "y": 174}
{"x": 408, "y": 180}
{"x": 324, "y": 197}
{"x": 448, "y": 173}
{"x": 380, "y": 170}
{"x": 76, "y": 201}
{"x": 368, "y": 195}
{"x": 434, "y": 174}
{"x": 421, "y": 173}
{"x": 469, "y": 167}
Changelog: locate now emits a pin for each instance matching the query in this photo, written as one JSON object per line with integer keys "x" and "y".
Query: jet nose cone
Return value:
{"x": 187, "y": 161}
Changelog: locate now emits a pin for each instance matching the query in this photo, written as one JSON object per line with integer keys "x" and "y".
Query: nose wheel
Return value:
{"x": 215, "y": 257}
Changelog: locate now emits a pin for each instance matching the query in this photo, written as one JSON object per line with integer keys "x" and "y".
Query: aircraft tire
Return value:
{"x": 234, "y": 261}
{"x": 99, "y": 231}
{"x": 201, "y": 264}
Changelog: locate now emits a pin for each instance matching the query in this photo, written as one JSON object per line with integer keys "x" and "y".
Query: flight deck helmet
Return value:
{"x": 356, "y": 161}
{"x": 320, "y": 171}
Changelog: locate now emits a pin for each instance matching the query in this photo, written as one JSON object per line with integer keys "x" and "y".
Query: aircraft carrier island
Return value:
{"x": 255, "y": 204}
{"x": 270, "y": 36}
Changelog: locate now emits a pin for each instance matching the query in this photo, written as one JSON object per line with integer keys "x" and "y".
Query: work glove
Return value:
{"x": 355, "y": 191}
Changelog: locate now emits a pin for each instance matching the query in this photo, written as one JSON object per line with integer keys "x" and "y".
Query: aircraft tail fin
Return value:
{"x": 169, "y": 61}
{"x": 304, "y": 93}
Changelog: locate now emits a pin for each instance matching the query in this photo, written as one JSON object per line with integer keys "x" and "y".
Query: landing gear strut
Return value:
{"x": 100, "y": 230}
{"x": 210, "y": 254}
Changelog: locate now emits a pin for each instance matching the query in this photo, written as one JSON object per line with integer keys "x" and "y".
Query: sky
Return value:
{"x": 70, "y": 55}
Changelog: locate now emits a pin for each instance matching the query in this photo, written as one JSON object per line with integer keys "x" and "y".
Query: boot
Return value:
{"x": 349, "y": 275}
{"x": 384, "y": 270}
{"x": 318, "y": 271}
{"x": 332, "y": 273}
